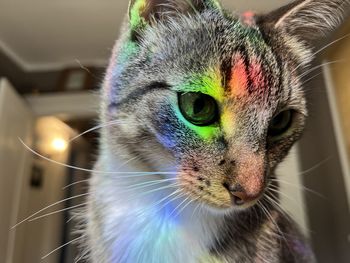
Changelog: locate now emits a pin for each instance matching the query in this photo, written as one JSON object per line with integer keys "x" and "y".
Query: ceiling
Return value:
{"x": 47, "y": 35}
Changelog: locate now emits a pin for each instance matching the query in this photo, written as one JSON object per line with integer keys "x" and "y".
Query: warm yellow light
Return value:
{"x": 59, "y": 144}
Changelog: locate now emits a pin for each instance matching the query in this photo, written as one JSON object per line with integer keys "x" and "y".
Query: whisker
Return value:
{"x": 315, "y": 166}
{"x": 47, "y": 207}
{"x": 62, "y": 246}
{"x": 183, "y": 201}
{"x": 89, "y": 170}
{"x": 87, "y": 70}
{"x": 178, "y": 212}
{"x": 266, "y": 211}
{"x": 177, "y": 191}
{"x": 323, "y": 48}
{"x": 298, "y": 187}
{"x": 162, "y": 200}
{"x": 276, "y": 190}
{"x": 196, "y": 208}
{"x": 56, "y": 212}
{"x": 75, "y": 183}
{"x": 95, "y": 128}
{"x": 280, "y": 232}
{"x": 154, "y": 182}
{"x": 136, "y": 196}
{"x": 71, "y": 218}
{"x": 311, "y": 78}
{"x": 128, "y": 161}
{"x": 276, "y": 205}
{"x": 147, "y": 184}
{"x": 320, "y": 66}
{"x": 188, "y": 203}
{"x": 82, "y": 256}
{"x": 333, "y": 42}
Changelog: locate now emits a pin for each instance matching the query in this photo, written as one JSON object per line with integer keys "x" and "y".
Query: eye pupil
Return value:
{"x": 281, "y": 123}
{"x": 198, "y": 108}
{"x": 277, "y": 121}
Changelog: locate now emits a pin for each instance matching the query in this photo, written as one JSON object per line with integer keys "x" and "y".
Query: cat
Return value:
{"x": 199, "y": 106}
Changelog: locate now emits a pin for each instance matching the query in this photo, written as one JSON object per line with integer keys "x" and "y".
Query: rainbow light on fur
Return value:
{"x": 242, "y": 74}
{"x": 244, "y": 78}
{"x": 153, "y": 229}
{"x": 159, "y": 230}
{"x": 117, "y": 62}
{"x": 210, "y": 84}
{"x": 239, "y": 77}
{"x": 135, "y": 11}
{"x": 205, "y": 132}
{"x": 137, "y": 20}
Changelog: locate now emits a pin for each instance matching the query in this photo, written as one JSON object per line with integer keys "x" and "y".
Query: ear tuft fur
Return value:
{"x": 142, "y": 12}
{"x": 307, "y": 19}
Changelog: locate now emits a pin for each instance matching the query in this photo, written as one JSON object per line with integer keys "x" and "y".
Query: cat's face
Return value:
{"x": 218, "y": 97}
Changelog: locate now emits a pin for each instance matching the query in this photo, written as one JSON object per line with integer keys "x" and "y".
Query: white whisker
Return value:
{"x": 323, "y": 48}
{"x": 150, "y": 183}
{"x": 75, "y": 183}
{"x": 47, "y": 207}
{"x": 315, "y": 166}
{"x": 160, "y": 201}
{"x": 320, "y": 66}
{"x": 267, "y": 213}
{"x": 272, "y": 188}
{"x": 95, "y": 128}
{"x": 298, "y": 187}
{"x": 89, "y": 170}
{"x": 56, "y": 212}
{"x": 311, "y": 78}
{"x": 82, "y": 256}
{"x": 188, "y": 203}
{"x": 179, "y": 206}
{"x": 62, "y": 246}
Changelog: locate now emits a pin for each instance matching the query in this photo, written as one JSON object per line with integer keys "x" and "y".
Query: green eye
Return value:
{"x": 198, "y": 108}
{"x": 281, "y": 123}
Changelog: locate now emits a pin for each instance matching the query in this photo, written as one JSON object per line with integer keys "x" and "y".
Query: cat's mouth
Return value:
{"x": 240, "y": 198}
{"x": 222, "y": 196}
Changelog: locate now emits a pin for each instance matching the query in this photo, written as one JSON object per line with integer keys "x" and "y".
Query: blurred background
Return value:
{"x": 53, "y": 55}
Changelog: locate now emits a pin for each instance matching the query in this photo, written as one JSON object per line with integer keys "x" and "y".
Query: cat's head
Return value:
{"x": 217, "y": 96}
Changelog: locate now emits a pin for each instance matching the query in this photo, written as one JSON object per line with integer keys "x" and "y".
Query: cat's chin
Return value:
{"x": 224, "y": 211}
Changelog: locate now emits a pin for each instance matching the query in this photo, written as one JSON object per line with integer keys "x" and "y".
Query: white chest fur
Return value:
{"x": 140, "y": 224}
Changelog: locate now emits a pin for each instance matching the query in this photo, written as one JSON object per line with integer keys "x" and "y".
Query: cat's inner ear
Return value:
{"x": 307, "y": 19}
{"x": 143, "y": 12}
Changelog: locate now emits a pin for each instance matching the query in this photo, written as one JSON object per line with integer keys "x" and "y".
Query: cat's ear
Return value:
{"x": 143, "y": 12}
{"x": 307, "y": 19}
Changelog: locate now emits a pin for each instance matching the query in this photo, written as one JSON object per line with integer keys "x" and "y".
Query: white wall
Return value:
{"x": 292, "y": 198}
{"x": 339, "y": 106}
{"x": 44, "y": 235}
{"x": 16, "y": 122}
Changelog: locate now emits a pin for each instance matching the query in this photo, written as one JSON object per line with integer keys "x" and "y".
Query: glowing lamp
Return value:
{"x": 59, "y": 144}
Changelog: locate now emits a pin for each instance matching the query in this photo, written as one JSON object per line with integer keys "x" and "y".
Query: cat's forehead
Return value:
{"x": 218, "y": 55}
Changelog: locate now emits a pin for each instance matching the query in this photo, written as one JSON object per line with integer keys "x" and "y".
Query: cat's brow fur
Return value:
{"x": 172, "y": 47}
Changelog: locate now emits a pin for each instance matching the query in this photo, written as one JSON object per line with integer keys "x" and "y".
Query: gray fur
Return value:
{"x": 168, "y": 52}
